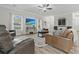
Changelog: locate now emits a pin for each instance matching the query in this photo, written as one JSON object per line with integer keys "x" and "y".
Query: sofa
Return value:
{"x": 62, "y": 42}
{"x": 7, "y": 46}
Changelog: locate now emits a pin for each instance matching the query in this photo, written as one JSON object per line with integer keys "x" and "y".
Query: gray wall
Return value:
{"x": 6, "y": 17}
{"x": 68, "y": 17}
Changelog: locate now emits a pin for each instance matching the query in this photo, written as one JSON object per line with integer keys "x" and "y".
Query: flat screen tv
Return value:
{"x": 62, "y": 22}
{"x": 30, "y": 21}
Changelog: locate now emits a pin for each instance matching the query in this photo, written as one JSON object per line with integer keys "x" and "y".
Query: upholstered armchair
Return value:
{"x": 7, "y": 46}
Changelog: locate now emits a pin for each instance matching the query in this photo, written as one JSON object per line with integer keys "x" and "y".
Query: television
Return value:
{"x": 30, "y": 21}
{"x": 62, "y": 22}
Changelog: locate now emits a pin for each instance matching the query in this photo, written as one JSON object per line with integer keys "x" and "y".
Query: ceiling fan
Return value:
{"x": 45, "y": 7}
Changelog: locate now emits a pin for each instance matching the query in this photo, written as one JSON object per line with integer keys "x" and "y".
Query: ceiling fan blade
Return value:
{"x": 40, "y": 6}
{"x": 49, "y": 8}
{"x": 47, "y": 5}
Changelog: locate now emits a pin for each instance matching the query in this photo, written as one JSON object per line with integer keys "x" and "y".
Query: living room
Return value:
{"x": 42, "y": 25}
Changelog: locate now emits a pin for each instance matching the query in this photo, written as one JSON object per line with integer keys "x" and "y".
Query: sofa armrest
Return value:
{"x": 24, "y": 47}
{"x": 68, "y": 45}
{"x": 65, "y": 44}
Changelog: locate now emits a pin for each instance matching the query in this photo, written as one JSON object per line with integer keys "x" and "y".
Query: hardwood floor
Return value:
{"x": 47, "y": 50}
{"x": 51, "y": 50}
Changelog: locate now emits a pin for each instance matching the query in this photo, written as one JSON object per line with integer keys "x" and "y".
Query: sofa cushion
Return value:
{"x": 70, "y": 36}
{"x": 66, "y": 32}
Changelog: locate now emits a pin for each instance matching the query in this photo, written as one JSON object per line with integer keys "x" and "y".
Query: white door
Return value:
{"x": 76, "y": 21}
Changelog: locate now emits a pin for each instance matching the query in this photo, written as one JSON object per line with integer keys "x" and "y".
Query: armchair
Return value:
{"x": 7, "y": 46}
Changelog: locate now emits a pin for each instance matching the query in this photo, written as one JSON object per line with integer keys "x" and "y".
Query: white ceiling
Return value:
{"x": 57, "y": 8}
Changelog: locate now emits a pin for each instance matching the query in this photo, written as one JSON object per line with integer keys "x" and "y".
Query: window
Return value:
{"x": 62, "y": 22}
{"x": 17, "y": 22}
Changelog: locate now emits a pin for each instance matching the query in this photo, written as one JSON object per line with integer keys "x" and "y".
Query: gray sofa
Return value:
{"x": 6, "y": 45}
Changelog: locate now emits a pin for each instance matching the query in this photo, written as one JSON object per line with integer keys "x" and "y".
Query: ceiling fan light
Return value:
{"x": 44, "y": 10}
{"x": 45, "y": 7}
